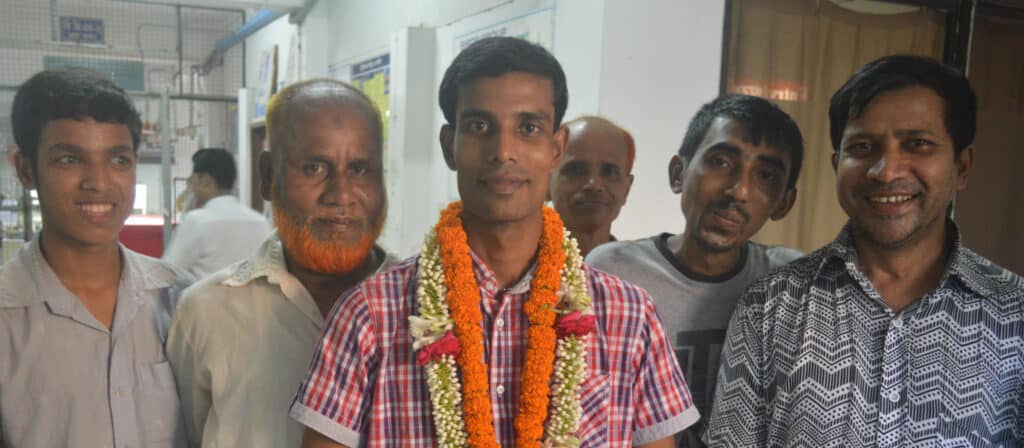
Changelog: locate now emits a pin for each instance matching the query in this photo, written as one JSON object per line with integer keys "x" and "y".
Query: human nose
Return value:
{"x": 339, "y": 190}
{"x": 740, "y": 188}
{"x": 593, "y": 182}
{"x": 96, "y": 178}
{"x": 504, "y": 147}
{"x": 889, "y": 164}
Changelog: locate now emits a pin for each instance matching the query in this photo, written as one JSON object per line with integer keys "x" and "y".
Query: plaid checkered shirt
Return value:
{"x": 364, "y": 385}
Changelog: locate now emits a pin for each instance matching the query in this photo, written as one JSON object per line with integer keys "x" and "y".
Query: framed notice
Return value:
{"x": 82, "y": 30}
{"x": 266, "y": 83}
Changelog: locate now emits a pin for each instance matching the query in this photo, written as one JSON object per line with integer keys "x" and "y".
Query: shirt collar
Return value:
{"x": 965, "y": 266}
{"x": 33, "y": 281}
{"x": 488, "y": 281}
{"x": 217, "y": 201}
{"x": 268, "y": 261}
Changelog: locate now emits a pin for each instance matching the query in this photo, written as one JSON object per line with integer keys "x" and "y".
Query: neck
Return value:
{"x": 506, "y": 248}
{"x": 327, "y": 288}
{"x": 214, "y": 196}
{"x": 698, "y": 259}
{"x": 593, "y": 237}
{"x": 81, "y": 266}
{"x": 905, "y": 273}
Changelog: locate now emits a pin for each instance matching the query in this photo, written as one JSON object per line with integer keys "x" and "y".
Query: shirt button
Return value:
{"x": 500, "y": 389}
{"x": 894, "y": 396}
{"x": 499, "y": 323}
{"x": 896, "y": 323}
{"x": 119, "y": 393}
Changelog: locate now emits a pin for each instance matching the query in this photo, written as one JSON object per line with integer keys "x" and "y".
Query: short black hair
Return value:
{"x": 760, "y": 118}
{"x": 218, "y": 163}
{"x": 69, "y": 93}
{"x": 495, "y": 56}
{"x": 897, "y": 72}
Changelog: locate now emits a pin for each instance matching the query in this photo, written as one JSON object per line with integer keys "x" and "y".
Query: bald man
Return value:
{"x": 591, "y": 185}
{"x": 241, "y": 340}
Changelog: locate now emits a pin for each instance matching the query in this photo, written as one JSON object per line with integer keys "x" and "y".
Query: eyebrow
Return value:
{"x": 735, "y": 151}
{"x": 533, "y": 116}
{"x": 724, "y": 147}
{"x": 773, "y": 161}
{"x": 76, "y": 150}
{"x": 479, "y": 113}
{"x": 898, "y": 132}
{"x": 524, "y": 116}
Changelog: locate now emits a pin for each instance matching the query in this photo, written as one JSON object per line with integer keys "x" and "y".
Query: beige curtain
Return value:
{"x": 991, "y": 211}
{"x": 798, "y": 53}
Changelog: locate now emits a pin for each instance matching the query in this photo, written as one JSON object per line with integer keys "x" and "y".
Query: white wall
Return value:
{"x": 660, "y": 63}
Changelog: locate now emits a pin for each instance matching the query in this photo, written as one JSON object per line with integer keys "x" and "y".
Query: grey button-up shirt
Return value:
{"x": 68, "y": 381}
{"x": 816, "y": 358}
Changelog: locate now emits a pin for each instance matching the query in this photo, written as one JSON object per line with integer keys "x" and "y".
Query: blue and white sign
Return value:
{"x": 82, "y": 30}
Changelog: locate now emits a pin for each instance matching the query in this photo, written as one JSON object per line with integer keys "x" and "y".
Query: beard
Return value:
{"x": 324, "y": 257}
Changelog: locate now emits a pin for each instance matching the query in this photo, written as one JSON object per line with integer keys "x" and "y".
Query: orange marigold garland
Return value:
{"x": 449, "y": 300}
{"x": 540, "y": 351}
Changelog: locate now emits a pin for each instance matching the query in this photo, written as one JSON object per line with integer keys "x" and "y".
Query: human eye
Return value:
{"x": 477, "y": 126}
{"x": 769, "y": 176}
{"x": 314, "y": 170}
{"x": 66, "y": 160}
{"x": 359, "y": 169}
{"x": 858, "y": 148}
{"x": 611, "y": 172}
{"x": 718, "y": 161}
{"x": 122, "y": 161}
{"x": 530, "y": 129}
{"x": 573, "y": 170}
{"x": 920, "y": 144}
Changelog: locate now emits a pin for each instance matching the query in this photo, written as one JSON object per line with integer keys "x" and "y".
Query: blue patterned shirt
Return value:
{"x": 815, "y": 358}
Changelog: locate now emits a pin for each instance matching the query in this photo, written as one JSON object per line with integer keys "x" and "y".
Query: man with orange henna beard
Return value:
{"x": 496, "y": 334}
{"x": 241, "y": 339}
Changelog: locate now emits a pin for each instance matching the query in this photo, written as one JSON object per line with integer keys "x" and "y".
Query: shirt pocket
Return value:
{"x": 595, "y": 399}
{"x": 160, "y": 417}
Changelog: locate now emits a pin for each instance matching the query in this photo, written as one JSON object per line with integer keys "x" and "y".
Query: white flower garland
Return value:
{"x": 570, "y": 367}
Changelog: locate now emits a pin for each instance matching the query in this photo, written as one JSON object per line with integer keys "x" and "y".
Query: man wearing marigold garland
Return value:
{"x": 241, "y": 338}
{"x": 496, "y": 334}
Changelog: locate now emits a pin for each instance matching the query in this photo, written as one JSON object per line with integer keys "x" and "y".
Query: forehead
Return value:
{"x": 909, "y": 108}
{"x": 314, "y": 126}
{"x": 725, "y": 131}
{"x": 597, "y": 143}
{"x": 86, "y": 134}
{"x": 511, "y": 93}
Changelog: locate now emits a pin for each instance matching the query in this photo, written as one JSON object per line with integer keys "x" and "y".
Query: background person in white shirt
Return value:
{"x": 220, "y": 231}
{"x": 242, "y": 339}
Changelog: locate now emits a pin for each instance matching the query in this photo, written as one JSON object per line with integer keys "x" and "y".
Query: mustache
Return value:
{"x": 505, "y": 171}
{"x": 733, "y": 206}
{"x": 591, "y": 196}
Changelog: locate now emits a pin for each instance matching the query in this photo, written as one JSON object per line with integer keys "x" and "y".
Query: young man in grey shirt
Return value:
{"x": 737, "y": 167}
{"x": 82, "y": 318}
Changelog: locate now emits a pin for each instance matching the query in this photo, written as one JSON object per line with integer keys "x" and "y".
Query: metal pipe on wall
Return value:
{"x": 166, "y": 150}
{"x": 54, "y": 23}
{"x": 181, "y": 53}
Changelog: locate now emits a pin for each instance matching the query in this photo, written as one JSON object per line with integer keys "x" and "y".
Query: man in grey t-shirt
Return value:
{"x": 737, "y": 167}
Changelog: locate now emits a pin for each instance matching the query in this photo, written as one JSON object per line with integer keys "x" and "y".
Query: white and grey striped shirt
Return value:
{"x": 815, "y": 358}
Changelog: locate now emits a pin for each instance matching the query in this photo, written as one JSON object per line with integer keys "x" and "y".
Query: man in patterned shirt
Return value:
{"x": 503, "y": 99}
{"x": 894, "y": 334}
